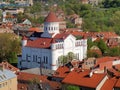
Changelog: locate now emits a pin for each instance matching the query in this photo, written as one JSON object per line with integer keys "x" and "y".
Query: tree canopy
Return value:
{"x": 9, "y": 47}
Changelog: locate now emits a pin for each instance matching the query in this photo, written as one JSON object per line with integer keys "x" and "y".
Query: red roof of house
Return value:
{"x": 105, "y": 59}
{"x": 62, "y": 72}
{"x": 27, "y": 77}
{"x": 81, "y": 78}
{"x": 109, "y": 84}
{"x": 35, "y": 29}
{"x": 40, "y": 43}
{"x": 118, "y": 83}
{"x": 22, "y": 76}
{"x": 115, "y": 72}
{"x": 51, "y": 17}
{"x": 61, "y": 36}
{"x": 9, "y": 67}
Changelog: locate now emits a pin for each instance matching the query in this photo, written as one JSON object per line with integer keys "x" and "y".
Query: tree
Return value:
{"x": 9, "y": 47}
{"x": 70, "y": 87}
{"x": 103, "y": 47}
{"x": 36, "y": 8}
{"x": 34, "y": 84}
{"x": 70, "y": 56}
{"x": 114, "y": 51}
{"x": 63, "y": 59}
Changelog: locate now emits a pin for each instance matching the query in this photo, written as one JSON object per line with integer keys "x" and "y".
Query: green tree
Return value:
{"x": 9, "y": 47}
{"x": 70, "y": 87}
{"x": 114, "y": 51}
{"x": 70, "y": 56}
{"x": 103, "y": 47}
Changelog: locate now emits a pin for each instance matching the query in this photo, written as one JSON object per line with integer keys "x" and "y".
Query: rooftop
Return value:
{"x": 109, "y": 84}
{"x": 51, "y": 17}
{"x": 82, "y": 78}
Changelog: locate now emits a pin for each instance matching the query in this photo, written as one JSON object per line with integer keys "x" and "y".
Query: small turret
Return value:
{"x": 24, "y": 41}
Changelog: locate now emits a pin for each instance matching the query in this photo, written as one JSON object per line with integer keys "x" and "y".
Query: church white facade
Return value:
{"x": 45, "y": 50}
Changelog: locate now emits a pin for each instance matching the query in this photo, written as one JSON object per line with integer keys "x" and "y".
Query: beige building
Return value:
{"x": 8, "y": 80}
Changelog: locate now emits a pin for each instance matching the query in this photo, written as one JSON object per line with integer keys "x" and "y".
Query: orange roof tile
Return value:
{"x": 22, "y": 76}
{"x": 62, "y": 72}
{"x": 27, "y": 77}
{"x": 34, "y": 29}
{"x": 61, "y": 36}
{"x": 81, "y": 78}
{"x": 9, "y": 66}
{"x": 118, "y": 83}
{"x": 51, "y": 17}
{"x": 109, "y": 84}
{"x": 39, "y": 43}
{"x": 105, "y": 59}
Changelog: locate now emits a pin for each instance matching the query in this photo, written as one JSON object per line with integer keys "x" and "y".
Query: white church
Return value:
{"x": 44, "y": 51}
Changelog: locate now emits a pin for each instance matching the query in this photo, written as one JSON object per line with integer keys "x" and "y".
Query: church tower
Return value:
{"x": 51, "y": 25}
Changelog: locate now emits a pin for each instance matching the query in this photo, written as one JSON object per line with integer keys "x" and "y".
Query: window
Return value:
{"x": 27, "y": 57}
{"x": 46, "y": 28}
{"x": 34, "y": 58}
{"x": 46, "y": 60}
{"x": 51, "y": 28}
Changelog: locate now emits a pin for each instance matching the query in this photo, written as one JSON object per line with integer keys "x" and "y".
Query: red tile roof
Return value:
{"x": 61, "y": 36}
{"x": 81, "y": 78}
{"x": 27, "y": 77}
{"x": 51, "y": 17}
{"x": 40, "y": 43}
{"x": 61, "y": 72}
{"x": 105, "y": 59}
{"x": 118, "y": 83}
{"x": 109, "y": 84}
{"x": 22, "y": 76}
{"x": 9, "y": 67}
{"x": 35, "y": 29}
{"x": 114, "y": 72}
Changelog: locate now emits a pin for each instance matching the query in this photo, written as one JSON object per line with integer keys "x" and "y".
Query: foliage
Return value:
{"x": 66, "y": 58}
{"x": 89, "y": 43}
{"x": 92, "y": 54}
{"x": 111, "y": 3}
{"x": 71, "y": 87}
{"x": 114, "y": 51}
{"x": 34, "y": 84}
{"x": 102, "y": 46}
{"x": 9, "y": 48}
{"x": 21, "y": 16}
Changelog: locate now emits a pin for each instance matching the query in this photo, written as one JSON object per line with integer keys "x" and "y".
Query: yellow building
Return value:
{"x": 8, "y": 80}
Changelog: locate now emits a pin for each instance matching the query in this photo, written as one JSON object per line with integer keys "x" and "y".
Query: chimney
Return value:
{"x": 91, "y": 74}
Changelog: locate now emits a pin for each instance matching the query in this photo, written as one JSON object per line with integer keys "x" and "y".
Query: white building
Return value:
{"x": 44, "y": 51}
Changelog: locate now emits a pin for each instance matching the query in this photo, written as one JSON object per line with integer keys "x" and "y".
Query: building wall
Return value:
{"x": 10, "y": 84}
{"x": 34, "y": 57}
